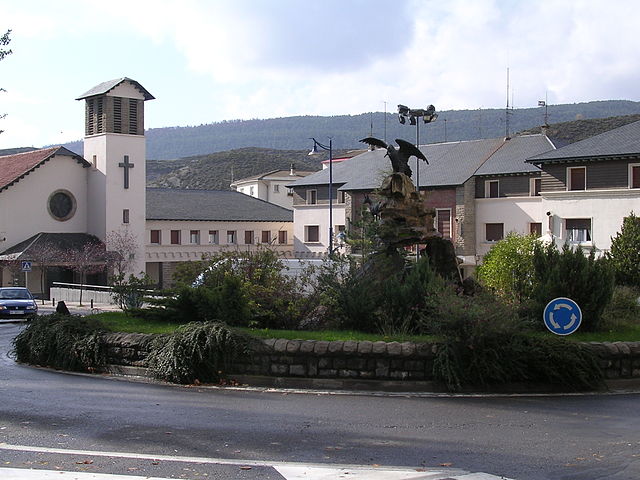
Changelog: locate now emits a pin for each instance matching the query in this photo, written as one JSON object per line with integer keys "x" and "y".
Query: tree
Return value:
{"x": 121, "y": 246}
{"x": 4, "y": 41}
{"x": 45, "y": 255}
{"x": 507, "y": 268}
{"x": 625, "y": 252}
{"x": 88, "y": 259}
{"x": 569, "y": 273}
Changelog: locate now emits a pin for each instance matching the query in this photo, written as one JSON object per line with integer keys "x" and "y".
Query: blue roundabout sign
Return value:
{"x": 562, "y": 316}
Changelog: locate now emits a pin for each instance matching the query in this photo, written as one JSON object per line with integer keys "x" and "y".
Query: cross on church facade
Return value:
{"x": 126, "y": 165}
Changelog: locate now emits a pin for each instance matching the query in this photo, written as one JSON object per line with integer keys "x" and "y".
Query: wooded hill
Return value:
{"x": 216, "y": 170}
{"x": 292, "y": 133}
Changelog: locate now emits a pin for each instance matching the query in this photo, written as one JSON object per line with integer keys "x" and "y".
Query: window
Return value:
{"x": 494, "y": 232}
{"x": 175, "y": 237}
{"x": 133, "y": 116}
{"x": 342, "y": 198}
{"x": 578, "y": 229}
{"x": 311, "y": 234}
{"x": 535, "y": 229}
{"x": 231, "y": 236}
{"x": 252, "y": 191}
{"x": 194, "y": 237}
{"x": 312, "y": 197}
{"x": 634, "y": 176}
{"x": 62, "y": 205}
{"x": 491, "y": 189}
{"x": 443, "y": 222}
{"x": 276, "y": 188}
{"x": 282, "y": 237}
{"x": 265, "y": 237}
{"x": 125, "y": 215}
{"x": 577, "y": 178}
{"x": 290, "y": 191}
{"x": 155, "y": 237}
{"x": 94, "y": 162}
{"x": 535, "y": 187}
{"x": 249, "y": 237}
{"x": 213, "y": 237}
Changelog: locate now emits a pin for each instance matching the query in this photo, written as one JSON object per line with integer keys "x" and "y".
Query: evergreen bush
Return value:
{"x": 625, "y": 252}
{"x": 569, "y": 273}
{"x": 61, "y": 341}
{"x": 197, "y": 351}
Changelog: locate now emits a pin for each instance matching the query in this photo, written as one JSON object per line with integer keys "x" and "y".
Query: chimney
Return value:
{"x": 292, "y": 172}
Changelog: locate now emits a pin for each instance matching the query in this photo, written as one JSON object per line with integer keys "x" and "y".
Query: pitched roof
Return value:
{"x": 621, "y": 141}
{"x": 211, "y": 205}
{"x": 274, "y": 174}
{"x": 15, "y": 167}
{"x": 451, "y": 163}
{"x": 511, "y": 157}
{"x": 61, "y": 241}
{"x": 106, "y": 87}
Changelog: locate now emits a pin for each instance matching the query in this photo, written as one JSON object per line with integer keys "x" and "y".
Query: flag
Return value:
{"x": 542, "y": 103}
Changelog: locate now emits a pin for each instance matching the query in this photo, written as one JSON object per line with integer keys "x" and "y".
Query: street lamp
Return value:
{"x": 315, "y": 151}
{"x": 414, "y": 115}
{"x": 428, "y": 115}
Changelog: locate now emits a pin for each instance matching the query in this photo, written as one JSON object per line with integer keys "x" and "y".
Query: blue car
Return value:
{"x": 17, "y": 302}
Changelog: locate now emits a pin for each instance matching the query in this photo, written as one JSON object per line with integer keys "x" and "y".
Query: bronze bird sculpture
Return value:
{"x": 399, "y": 157}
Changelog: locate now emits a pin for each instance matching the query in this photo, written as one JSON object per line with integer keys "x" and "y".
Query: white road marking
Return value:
{"x": 327, "y": 473}
{"x": 24, "y": 474}
{"x": 289, "y": 470}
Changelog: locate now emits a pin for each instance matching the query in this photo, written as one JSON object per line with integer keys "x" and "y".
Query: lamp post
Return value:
{"x": 428, "y": 115}
{"x": 314, "y": 151}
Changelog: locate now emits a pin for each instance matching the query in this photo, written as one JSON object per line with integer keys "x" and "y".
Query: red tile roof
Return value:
{"x": 15, "y": 167}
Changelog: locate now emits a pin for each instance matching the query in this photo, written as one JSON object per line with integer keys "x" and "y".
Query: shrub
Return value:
{"x": 484, "y": 344}
{"x": 130, "y": 293}
{"x": 507, "y": 267}
{"x": 61, "y": 341}
{"x": 196, "y": 352}
{"x": 625, "y": 251}
{"x": 248, "y": 280}
{"x": 568, "y": 273}
{"x": 623, "y": 309}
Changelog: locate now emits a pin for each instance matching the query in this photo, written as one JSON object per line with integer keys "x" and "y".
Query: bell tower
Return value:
{"x": 114, "y": 144}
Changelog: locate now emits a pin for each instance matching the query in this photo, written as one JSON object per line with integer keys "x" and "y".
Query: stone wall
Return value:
{"x": 362, "y": 360}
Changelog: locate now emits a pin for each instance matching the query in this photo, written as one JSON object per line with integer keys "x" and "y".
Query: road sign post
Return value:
{"x": 562, "y": 316}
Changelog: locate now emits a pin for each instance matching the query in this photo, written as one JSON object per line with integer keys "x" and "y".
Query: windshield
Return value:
{"x": 15, "y": 293}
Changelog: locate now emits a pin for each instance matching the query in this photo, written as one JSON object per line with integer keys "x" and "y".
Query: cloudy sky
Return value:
{"x": 212, "y": 60}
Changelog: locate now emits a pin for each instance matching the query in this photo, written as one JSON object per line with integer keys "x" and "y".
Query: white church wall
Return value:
{"x": 24, "y": 206}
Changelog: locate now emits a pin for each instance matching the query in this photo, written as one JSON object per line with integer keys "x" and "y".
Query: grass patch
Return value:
{"x": 334, "y": 335}
{"x": 121, "y": 322}
{"x": 622, "y": 333}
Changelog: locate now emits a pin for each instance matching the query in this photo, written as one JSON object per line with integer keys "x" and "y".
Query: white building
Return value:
{"x": 53, "y": 196}
{"x": 271, "y": 186}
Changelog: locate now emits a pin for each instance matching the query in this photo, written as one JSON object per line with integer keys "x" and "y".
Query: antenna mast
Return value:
{"x": 507, "y": 112}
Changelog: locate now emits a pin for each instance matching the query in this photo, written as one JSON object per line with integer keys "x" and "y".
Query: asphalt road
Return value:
{"x": 584, "y": 437}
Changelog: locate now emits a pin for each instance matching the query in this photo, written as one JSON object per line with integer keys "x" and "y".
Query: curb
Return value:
{"x": 350, "y": 386}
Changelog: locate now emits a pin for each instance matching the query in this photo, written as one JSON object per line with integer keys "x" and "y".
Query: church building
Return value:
{"x": 54, "y": 197}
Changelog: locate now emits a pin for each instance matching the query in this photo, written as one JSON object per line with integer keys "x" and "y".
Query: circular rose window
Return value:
{"x": 62, "y": 205}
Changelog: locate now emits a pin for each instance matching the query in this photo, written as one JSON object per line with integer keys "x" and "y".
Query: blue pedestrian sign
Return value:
{"x": 562, "y": 316}
{"x": 26, "y": 266}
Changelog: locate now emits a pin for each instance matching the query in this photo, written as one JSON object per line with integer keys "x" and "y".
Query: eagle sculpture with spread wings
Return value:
{"x": 399, "y": 157}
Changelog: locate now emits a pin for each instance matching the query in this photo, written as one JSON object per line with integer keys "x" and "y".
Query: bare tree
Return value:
{"x": 121, "y": 246}
{"x": 45, "y": 255}
{"x": 4, "y": 41}
{"x": 89, "y": 259}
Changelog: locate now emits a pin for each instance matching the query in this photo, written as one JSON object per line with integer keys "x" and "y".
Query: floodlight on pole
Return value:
{"x": 315, "y": 151}
{"x": 428, "y": 115}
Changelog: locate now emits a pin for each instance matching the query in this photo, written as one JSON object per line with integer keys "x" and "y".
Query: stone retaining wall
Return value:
{"x": 354, "y": 360}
